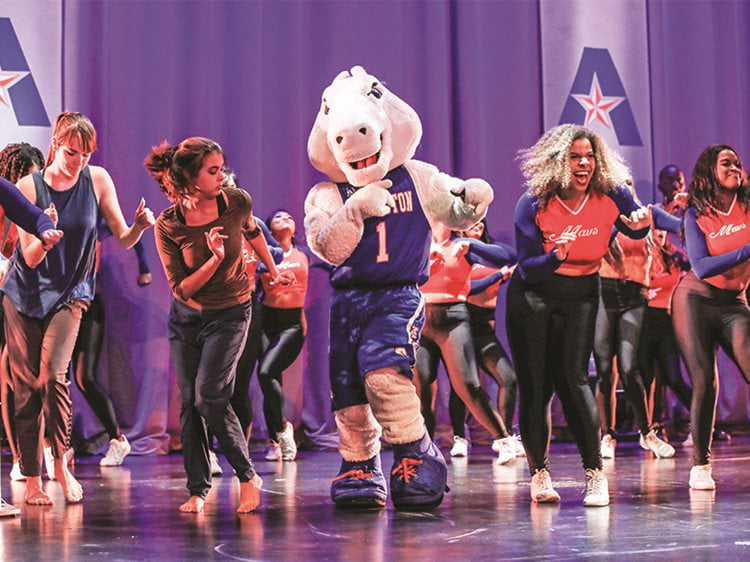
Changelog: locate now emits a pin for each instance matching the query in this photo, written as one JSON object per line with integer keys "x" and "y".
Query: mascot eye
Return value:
{"x": 325, "y": 110}
{"x": 375, "y": 92}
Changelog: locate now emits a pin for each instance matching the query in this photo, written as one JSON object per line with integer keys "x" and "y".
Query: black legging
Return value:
{"x": 493, "y": 359}
{"x": 619, "y": 323}
{"x": 284, "y": 334}
{"x": 551, "y": 335}
{"x": 85, "y": 360}
{"x": 704, "y": 319}
{"x": 659, "y": 358}
{"x": 246, "y": 366}
{"x": 447, "y": 335}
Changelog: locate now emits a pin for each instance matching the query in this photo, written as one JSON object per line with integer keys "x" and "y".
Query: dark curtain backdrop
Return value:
{"x": 250, "y": 74}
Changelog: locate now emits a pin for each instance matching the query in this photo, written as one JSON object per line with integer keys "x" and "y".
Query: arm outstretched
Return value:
{"x": 456, "y": 203}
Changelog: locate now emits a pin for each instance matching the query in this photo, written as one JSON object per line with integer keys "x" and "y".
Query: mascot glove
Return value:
{"x": 475, "y": 193}
{"x": 372, "y": 200}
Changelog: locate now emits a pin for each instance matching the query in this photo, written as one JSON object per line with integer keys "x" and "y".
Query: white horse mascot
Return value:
{"x": 372, "y": 221}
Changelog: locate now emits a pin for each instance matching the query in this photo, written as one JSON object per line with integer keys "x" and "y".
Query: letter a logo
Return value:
{"x": 597, "y": 95}
{"x": 18, "y": 90}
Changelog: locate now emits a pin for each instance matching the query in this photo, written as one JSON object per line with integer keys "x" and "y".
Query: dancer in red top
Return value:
{"x": 659, "y": 357}
{"x": 284, "y": 330}
{"x": 447, "y": 332}
{"x": 563, "y": 223}
{"x": 709, "y": 306}
{"x": 619, "y": 323}
{"x": 489, "y": 352}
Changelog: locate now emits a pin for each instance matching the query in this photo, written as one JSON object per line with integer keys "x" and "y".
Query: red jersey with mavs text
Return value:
{"x": 449, "y": 274}
{"x": 592, "y": 224}
{"x": 724, "y": 233}
{"x": 537, "y": 230}
{"x": 394, "y": 249}
{"x": 295, "y": 261}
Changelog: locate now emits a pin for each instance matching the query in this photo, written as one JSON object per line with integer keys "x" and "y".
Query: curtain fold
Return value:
{"x": 250, "y": 75}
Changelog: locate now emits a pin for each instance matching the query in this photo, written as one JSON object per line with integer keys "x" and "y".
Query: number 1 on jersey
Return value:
{"x": 382, "y": 256}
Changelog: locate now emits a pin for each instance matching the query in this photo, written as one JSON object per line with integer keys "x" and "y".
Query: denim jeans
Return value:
{"x": 205, "y": 347}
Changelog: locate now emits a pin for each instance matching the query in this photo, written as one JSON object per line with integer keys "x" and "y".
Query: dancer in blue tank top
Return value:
{"x": 47, "y": 290}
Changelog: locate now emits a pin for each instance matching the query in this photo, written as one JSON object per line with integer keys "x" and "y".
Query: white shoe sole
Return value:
{"x": 547, "y": 497}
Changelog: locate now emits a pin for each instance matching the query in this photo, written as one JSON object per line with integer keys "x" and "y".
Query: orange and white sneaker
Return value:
{"x": 460, "y": 447}
{"x": 700, "y": 477}
{"x": 541, "y": 488}
{"x": 607, "y": 447}
{"x": 651, "y": 442}
{"x": 597, "y": 488}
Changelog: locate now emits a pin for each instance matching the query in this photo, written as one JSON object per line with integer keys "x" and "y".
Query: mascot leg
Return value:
{"x": 360, "y": 482}
{"x": 419, "y": 473}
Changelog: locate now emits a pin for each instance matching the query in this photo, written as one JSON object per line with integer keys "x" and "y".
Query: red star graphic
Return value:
{"x": 8, "y": 79}
{"x": 596, "y": 105}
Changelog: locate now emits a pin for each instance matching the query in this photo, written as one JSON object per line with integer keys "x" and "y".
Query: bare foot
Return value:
{"x": 34, "y": 493}
{"x": 250, "y": 495}
{"x": 71, "y": 488}
{"x": 193, "y": 505}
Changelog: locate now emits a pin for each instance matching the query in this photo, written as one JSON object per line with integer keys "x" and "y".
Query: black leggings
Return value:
{"x": 551, "y": 335}
{"x": 85, "y": 360}
{"x": 284, "y": 334}
{"x": 704, "y": 319}
{"x": 619, "y": 323}
{"x": 659, "y": 358}
{"x": 447, "y": 335}
{"x": 246, "y": 366}
{"x": 493, "y": 359}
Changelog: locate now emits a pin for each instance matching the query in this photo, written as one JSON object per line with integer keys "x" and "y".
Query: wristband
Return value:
{"x": 250, "y": 234}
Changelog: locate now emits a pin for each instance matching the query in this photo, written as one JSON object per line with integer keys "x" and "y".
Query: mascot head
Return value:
{"x": 362, "y": 130}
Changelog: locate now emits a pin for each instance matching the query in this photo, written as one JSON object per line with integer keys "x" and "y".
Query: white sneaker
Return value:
{"x": 49, "y": 463}
{"x": 216, "y": 469}
{"x": 607, "y": 448}
{"x": 286, "y": 441}
{"x": 597, "y": 489}
{"x": 460, "y": 447}
{"x": 700, "y": 477}
{"x": 661, "y": 449}
{"x": 688, "y": 442}
{"x": 15, "y": 473}
{"x": 520, "y": 451}
{"x": 506, "y": 449}
{"x": 117, "y": 452}
{"x": 541, "y": 488}
{"x": 274, "y": 451}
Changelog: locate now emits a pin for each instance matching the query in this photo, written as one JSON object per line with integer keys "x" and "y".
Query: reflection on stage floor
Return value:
{"x": 130, "y": 513}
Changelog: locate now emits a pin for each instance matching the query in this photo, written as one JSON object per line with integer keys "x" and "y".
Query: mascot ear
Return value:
{"x": 341, "y": 75}
{"x": 406, "y": 128}
{"x": 358, "y": 71}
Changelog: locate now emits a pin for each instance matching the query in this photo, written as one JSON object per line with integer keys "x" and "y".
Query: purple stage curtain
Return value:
{"x": 249, "y": 74}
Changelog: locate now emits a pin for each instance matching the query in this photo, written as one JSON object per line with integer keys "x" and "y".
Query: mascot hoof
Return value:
{"x": 359, "y": 485}
{"x": 419, "y": 475}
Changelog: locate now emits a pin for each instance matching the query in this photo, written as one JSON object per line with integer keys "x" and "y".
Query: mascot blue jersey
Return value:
{"x": 394, "y": 249}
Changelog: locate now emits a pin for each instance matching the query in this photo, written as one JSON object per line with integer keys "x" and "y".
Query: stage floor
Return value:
{"x": 130, "y": 513}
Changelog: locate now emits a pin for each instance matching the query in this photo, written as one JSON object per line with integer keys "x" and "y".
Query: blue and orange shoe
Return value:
{"x": 359, "y": 485}
{"x": 419, "y": 475}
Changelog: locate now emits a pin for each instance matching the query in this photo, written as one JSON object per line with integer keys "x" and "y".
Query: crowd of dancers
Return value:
{"x": 593, "y": 271}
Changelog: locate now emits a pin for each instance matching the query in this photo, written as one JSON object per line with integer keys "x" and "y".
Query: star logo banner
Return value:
{"x": 595, "y": 73}
{"x": 30, "y": 70}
